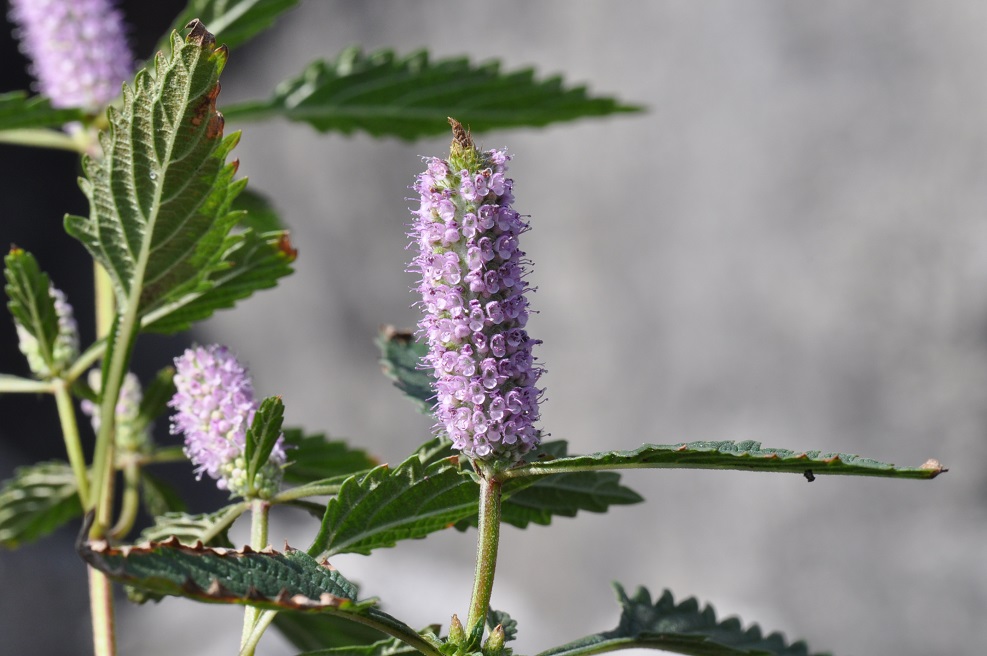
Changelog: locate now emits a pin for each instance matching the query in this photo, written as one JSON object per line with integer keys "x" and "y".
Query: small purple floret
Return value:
{"x": 214, "y": 404}
{"x": 473, "y": 295}
{"x": 78, "y": 49}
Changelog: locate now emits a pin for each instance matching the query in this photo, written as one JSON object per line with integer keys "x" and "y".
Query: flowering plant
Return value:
{"x": 174, "y": 237}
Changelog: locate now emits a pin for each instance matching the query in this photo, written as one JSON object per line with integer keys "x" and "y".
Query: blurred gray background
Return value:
{"x": 789, "y": 246}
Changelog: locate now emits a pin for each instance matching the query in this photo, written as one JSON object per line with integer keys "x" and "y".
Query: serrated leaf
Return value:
{"x": 266, "y": 579}
{"x": 253, "y": 262}
{"x": 314, "y": 458}
{"x": 744, "y": 456}
{"x": 410, "y": 97}
{"x": 209, "y": 528}
{"x": 159, "y": 497}
{"x": 388, "y": 647}
{"x": 160, "y": 198}
{"x": 386, "y": 505}
{"x": 400, "y": 359}
{"x": 234, "y": 22}
{"x": 19, "y": 111}
{"x": 30, "y": 302}
{"x": 307, "y": 631}
{"x": 536, "y": 500}
{"x": 262, "y": 435}
{"x": 681, "y": 628}
{"x": 36, "y": 501}
{"x": 259, "y": 214}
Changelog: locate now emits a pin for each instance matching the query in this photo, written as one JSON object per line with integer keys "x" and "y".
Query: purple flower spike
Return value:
{"x": 214, "y": 403}
{"x": 78, "y": 49}
{"x": 473, "y": 295}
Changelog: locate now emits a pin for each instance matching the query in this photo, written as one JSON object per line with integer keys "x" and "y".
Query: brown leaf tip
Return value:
{"x": 933, "y": 465}
{"x": 199, "y": 34}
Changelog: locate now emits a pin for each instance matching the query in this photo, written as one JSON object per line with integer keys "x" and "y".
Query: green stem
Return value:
{"x": 260, "y": 625}
{"x": 41, "y": 137}
{"x": 131, "y": 500}
{"x": 486, "y": 558}
{"x": 15, "y": 384}
{"x": 70, "y": 433}
{"x": 101, "y": 607}
{"x": 308, "y": 490}
{"x": 259, "y": 509}
{"x": 105, "y": 301}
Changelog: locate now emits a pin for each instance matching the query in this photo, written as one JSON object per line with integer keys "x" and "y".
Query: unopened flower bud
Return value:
{"x": 495, "y": 642}
{"x": 132, "y": 434}
{"x": 457, "y": 634}
{"x": 473, "y": 295}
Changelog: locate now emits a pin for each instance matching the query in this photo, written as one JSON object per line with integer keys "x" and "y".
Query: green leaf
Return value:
{"x": 743, "y": 456}
{"x": 18, "y": 112}
{"x": 386, "y": 505}
{"x": 160, "y": 199}
{"x": 314, "y": 458}
{"x": 263, "y": 435}
{"x": 259, "y": 214}
{"x": 411, "y": 97}
{"x": 563, "y": 494}
{"x": 234, "y": 22}
{"x": 209, "y": 529}
{"x": 400, "y": 359}
{"x": 307, "y": 631}
{"x": 266, "y": 579}
{"x": 681, "y": 628}
{"x": 252, "y": 262}
{"x": 158, "y": 496}
{"x": 36, "y": 501}
{"x": 388, "y": 647}
{"x": 30, "y": 302}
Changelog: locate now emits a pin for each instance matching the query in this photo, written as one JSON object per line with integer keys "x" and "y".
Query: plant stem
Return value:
{"x": 131, "y": 500}
{"x": 257, "y": 630}
{"x": 41, "y": 137}
{"x": 486, "y": 558}
{"x": 258, "y": 540}
{"x": 70, "y": 433}
{"x": 101, "y": 607}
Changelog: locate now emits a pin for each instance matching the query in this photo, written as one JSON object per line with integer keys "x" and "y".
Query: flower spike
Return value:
{"x": 78, "y": 49}
{"x": 215, "y": 406}
{"x": 473, "y": 296}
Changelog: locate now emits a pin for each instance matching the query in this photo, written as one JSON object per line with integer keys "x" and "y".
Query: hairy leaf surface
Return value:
{"x": 744, "y": 456}
{"x": 400, "y": 358}
{"x": 253, "y": 262}
{"x": 682, "y": 628}
{"x": 36, "y": 501}
{"x": 314, "y": 458}
{"x": 30, "y": 302}
{"x": 19, "y": 111}
{"x": 208, "y": 528}
{"x": 386, "y": 505}
{"x": 160, "y": 198}
{"x": 410, "y": 97}
{"x": 266, "y": 579}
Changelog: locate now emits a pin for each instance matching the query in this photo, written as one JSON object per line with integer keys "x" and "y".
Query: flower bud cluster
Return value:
{"x": 78, "y": 49}
{"x": 473, "y": 296}
{"x": 215, "y": 405}
{"x": 66, "y": 346}
{"x": 133, "y": 434}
